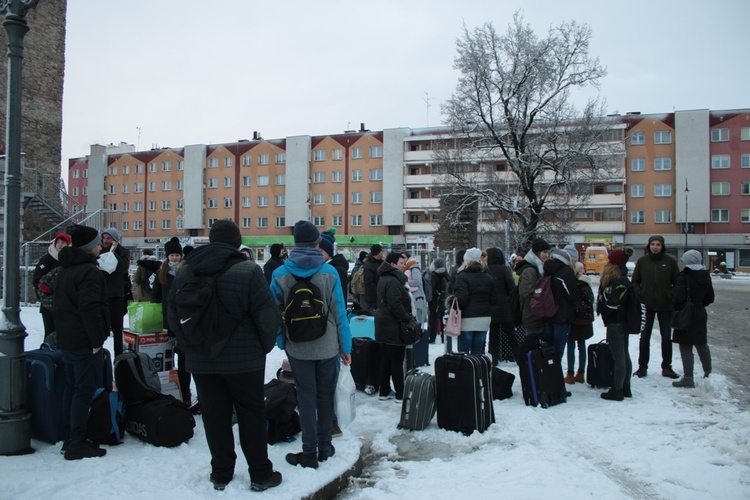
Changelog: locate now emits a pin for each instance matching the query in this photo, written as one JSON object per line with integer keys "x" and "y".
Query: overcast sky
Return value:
{"x": 176, "y": 72}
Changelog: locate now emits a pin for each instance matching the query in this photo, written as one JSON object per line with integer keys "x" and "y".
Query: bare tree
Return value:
{"x": 514, "y": 141}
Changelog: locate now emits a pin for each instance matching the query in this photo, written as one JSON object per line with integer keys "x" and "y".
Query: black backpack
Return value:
{"x": 305, "y": 311}
{"x": 201, "y": 325}
{"x": 634, "y": 316}
{"x": 280, "y": 405}
{"x": 106, "y": 423}
{"x": 136, "y": 377}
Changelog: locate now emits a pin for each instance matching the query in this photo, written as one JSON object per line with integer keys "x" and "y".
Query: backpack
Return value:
{"x": 106, "y": 417}
{"x": 583, "y": 306}
{"x": 634, "y": 316}
{"x": 516, "y": 312}
{"x": 200, "y": 325}
{"x": 305, "y": 311}
{"x": 280, "y": 408}
{"x": 45, "y": 290}
{"x": 427, "y": 286}
{"x": 358, "y": 281}
{"x": 543, "y": 303}
{"x": 136, "y": 377}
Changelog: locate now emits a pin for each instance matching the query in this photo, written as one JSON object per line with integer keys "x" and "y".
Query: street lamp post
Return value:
{"x": 15, "y": 419}
{"x": 687, "y": 226}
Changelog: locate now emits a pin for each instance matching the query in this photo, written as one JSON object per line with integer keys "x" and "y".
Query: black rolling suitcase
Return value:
{"x": 366, "y": 364}
{"x": 541, "y": 374}
{"x": 418, "y": 407}
{"x": 421, "y": 350}
{"x": 600, "y": 368}
{"x": 464, "y": 392}
{"x": 45, "y": 384}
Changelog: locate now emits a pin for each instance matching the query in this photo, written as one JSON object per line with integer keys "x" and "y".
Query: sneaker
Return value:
{"x": 388, "y": 396}
{"x": 309, "y": 460}
{"x": 336, "y": 430}
{"x": 76, "y": 450}
{"x": 570, "y": 378}
{"x": 612, "y": 395}
{"x": 579, "y": 378}
{"x": 369, "y": 390}
{"x": 324, "y": 455}
{"x": 271, "y": 482}
{"x": 641, "y": 372}
{"x": 218, "y": 485}
{"x": 684, "y": 382}
{"x": 669, "y": 373}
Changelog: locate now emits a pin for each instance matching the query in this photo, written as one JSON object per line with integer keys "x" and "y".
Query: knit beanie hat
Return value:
{"x": 305, "y": 234}
{"x": 84, "y": 237}
{"x": 560, "y": 255}
{"x": 572, "y": 252}
{"x": 173, "y": 246}
{"x": 472, "y": 254}
{"x": 225, "y": 231}
{"x": 326, "y": 243}
{"x": 539, "y": 245}
{"x": 692, "y": 257}
{"x": 63, "y": 236}
{"x": 618, "y": 257}
{"x": 187, "y": 250}
{"x": 113, "y": 233}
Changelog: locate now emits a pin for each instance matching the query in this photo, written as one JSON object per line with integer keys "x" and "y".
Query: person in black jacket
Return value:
{"x": 46, "y": 264}
{"x": 234, "y": 378}
{"x": 81, "y": 316}
{"x": 357, "y": 264}
{"x": 477, "y": 297}
{"x": 278, "y": 255}
{"x": 694, "y": 285}
{"x": 564, "y": 290}
{"x": 439, "y": 281}
{"x": 116, "y": 284}
{"x": 338, "y": 261}
{"x": 372, "y": 264}
{"x": 394, "y": 307}
{"x": 145, "y": 276}
{"x": 501, "y": 326}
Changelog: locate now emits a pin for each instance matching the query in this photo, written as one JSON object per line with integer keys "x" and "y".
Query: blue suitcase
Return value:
{"x": 362, "y": 327}
{"x": 45, "y": 385}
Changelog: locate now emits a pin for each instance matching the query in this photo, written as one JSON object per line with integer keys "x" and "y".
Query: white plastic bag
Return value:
{"x": 343, "y": 401}
{"x": 108, "y": 262}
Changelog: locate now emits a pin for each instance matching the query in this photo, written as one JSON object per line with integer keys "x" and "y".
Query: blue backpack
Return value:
{"x": 106, "y": 417}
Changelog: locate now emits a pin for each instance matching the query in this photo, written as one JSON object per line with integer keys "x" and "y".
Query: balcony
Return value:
{"x": 421, "y": 204}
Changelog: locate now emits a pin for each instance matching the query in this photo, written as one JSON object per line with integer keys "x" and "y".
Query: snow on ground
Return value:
{"x": 663, "y": 443}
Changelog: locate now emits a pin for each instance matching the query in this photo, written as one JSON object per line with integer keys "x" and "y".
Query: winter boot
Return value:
{"x": 309, "y": 460}
{"x": 569, "y": 378}
{"x": 613, "y": 395}
{"x": 684, "y": 382}
{"x": 626, "y": 392}
{"x": 76, "y": 450}
{"x": 641, "y": 372}
{"x": 271, "y": 482}
{"x": 579, "y": 378}
{"x": 669, "y": 373}
{"x": 324, "y": 455}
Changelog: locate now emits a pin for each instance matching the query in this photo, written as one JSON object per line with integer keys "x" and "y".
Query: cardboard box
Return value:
{"x": 170, "y": 384}
{"x": 157, "y": 346}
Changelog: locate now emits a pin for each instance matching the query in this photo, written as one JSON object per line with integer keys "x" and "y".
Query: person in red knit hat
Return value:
{"x": 46, "y": 265}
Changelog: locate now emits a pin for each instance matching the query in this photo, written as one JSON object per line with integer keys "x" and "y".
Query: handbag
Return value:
{"x": 343, "y": 401}
{"x": 453, "y": 325}
{"x": 411, "y": 331}
{"x": 682, "y": 317}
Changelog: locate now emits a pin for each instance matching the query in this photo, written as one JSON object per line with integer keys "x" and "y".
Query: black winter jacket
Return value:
{"x": 564, "y": 289}
{"x": 655, "y": 275}
{"x": 116, "y": 279}
{"x": 341, "y": 265}
{"x": 244, "y": 293}
{"x": 504, "y": 283}
{"x": 270, "y": 266}
{"x": 371, "y": 278}
{"x": 81, "y": 308}
{"x": 476, "y": 292}
{"x": 394, "y": 304}
{"x": 46, "y": 264}
{"x": 701, "y": 295}
{"x": 160, "y": 295}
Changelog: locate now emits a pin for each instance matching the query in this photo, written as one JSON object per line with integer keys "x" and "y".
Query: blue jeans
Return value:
{"x": 472, "y": 342}
{"x": 665, "y": 327}
{"x": 581, "y": 355}
{"x": 316, "y": 384}
{"x": 559, "y": 337}
{"x": 83, "y": 373}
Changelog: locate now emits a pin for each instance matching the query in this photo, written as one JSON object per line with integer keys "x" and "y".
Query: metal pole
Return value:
{"x": 686, "y": 214}
{"x": 15, "y": 420}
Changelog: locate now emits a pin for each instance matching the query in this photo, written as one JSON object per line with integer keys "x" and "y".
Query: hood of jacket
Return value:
{"x": 663, "y": 247}
{"x": 551, "y": 266}
{"x": 52, "y": 251}
{"x": 702, "y": 277}
{"x": 386, "y": 269}
{"x": 304, "y": 261}
{"x": 339, "y": 262}
{"x": 71, "y": 256}
{"x": 472, "y": 267}
{"x": 210, "y": 259}
{"x": 495, "y": 256}
{"x": 523, "y": 265}
{"x": 150, "y": 263}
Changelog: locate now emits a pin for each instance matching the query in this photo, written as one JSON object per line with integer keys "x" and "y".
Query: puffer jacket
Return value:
{"x": 81, "y": 307}
{"x": 243, "y": 292}
{"x": 371, "y": 278}
{"x": 341, "y": 265}
{"x": 655, "y": 276}
{"x": 701, "y": 295}
{"x": 476, "y": 292}
{"x": 528, "y": 274}
{"x": 504, "y": 283}
{"x": 564, "y": 289}
{"x": 394, "y": 304}
{"x": 47, "y": 263}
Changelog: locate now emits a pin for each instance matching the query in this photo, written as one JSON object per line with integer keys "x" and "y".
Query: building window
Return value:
{"x": 280, "y": 158}
{"x": 152, "y": 187}
{"x": 75, "y": 191}
{"x": 247, "y": 181}
{"x": 415, "y": 218}
{"x": 125, "y": 206}
{"x": 662, "y": 137}
{"x": 180, "y": 166}
{"x": 280, "y": 180}
{"x": 262, "y": 180}
{"x": 720, "y": 188}
{"x": 582, "y": 214}
{"x": 337, "y": 198}
{"x": 638, "y": 138}
{"x": 720, "y": 215}
{"x": 76, "y": 173}
{"x": 263, "y": 160}
{"x": 319, "y": 155}
{"x": 227, "y": 182}
{"x": 211, "y": 221}
{"x": 745, "y": 189}
{"x": 376, "y": 220}
{"x": 112, "y": 171}
{"x": 280, "y": 221}
{"x": 337, "y": 221}
{"x": 125, "y": 225}
{"x": 138, "y": 187}
{"x": 262, "y": 201}
{"x": 337, "y": 176}
{"x": 180, "y": 204}
{"x": 638, "y": 217}
{"x": 213, "y": 203}
{"x": 180, "y": 184}
{"x": 319, "y": 177}
{"x": 138, "y": 206}
{"x": 337, "y": 154}
{"x": 376, "y": 174}
{"x": 357, "y": 198}
{"x": 227, "y": 202}
{"x": 166, "y": 185}
{"x": 376, "y": 151}
{"x": 166, "y": 224}
{"x": 662, "y": 163}
{"x": 356, "y": 176}
{"x": 125, "y": 169}
{"x": 637, "y": 191}
{"x": 179, "y": 223}
{"x": 262, "y": 222}
{"x": 152, "y": 205}
{"x": 152, "y": 167}
{"x": 137, "y": 225}
{"x": 113, "y": 206}
{"x": 356, "y": 153}
{"x": 720, "y": 161}
{"x": 125, "y": 189}
{"x": 138, "y": 168}
{"x": 112, "y": 189}
{"x": 719, "y": 135}
{"x": 319, "y": 220}
{"x": 662, "y": 190}
{"x": 152, "y": 225}
{"x": 227, "y": 161}
{"x": 663, "y": 216}
{"x": 356, "y": 220}
{"x": 213, "y": 163}
{"x": 213, "y": 182}
{"x": 745, "y": 134}
{"x": 280, "y": 200}
{"x": 638, "y": 164}
{"x": 85, "y": 190}
{"x": 376, "y": 197}
{"x": 166, "y": 166}
{"x": 745, "y": 161}
{"x": 319, "y": 199}
{"x": 247, "y": 160}
{"x": 166, "y": 204}
{"x": 246, "y": 222}
{"x": 245, "y": 202}
{"x": 745, "y": 215}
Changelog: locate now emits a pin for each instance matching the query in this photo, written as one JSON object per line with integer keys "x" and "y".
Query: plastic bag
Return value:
{"x": 145, "y": 317}
{"x": 108, "y": 262}
{"x": 343, "y": 401}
